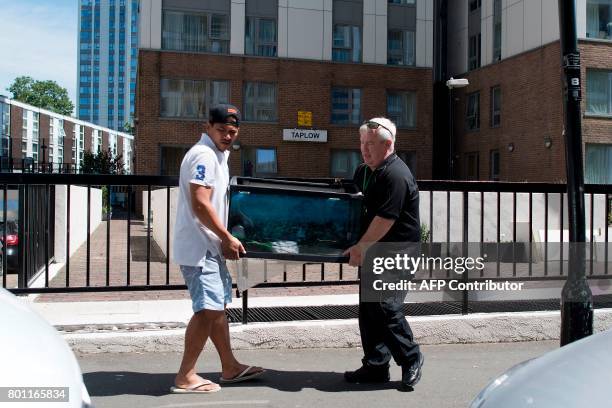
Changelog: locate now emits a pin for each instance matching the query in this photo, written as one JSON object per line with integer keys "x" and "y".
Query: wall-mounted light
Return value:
{"x": 547, "y": 142}
{"x": 510, "y": 147}
{"x": 236, "y": 145}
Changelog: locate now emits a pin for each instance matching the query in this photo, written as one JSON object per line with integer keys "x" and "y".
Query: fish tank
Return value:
{"x": 295, "y": 219}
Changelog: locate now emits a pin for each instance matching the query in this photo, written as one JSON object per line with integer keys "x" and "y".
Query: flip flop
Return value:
{"x": 193, "y": 389}
{"x": 243, "y": 376}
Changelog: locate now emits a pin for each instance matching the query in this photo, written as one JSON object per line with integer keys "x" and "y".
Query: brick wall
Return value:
{"x": 16, "y": 126}
{"x": 68, "y": 142}
{"x": 301, "y": 85}
{"x": 531, "y": 109}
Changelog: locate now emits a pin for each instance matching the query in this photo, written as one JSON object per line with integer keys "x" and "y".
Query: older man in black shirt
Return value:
{"x": 391, "y": 214}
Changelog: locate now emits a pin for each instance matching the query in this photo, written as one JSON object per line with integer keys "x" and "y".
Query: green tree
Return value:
{"x": 43, "y": 94}
{"x": 128, "y": 127}
{"x": 102, "y": 162}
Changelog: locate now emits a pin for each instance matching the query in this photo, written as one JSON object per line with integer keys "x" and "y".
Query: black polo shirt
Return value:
{"x": 390, "y": 192}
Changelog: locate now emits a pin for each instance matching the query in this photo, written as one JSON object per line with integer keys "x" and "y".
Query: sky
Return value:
{"x": 39, "y": 39}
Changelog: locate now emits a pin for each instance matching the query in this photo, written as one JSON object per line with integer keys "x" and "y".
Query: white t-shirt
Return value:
{"x": 205, "y": 165}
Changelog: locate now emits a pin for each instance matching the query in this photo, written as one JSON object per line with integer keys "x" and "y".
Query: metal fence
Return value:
{"x": 36, "y": 231}
{"x": 483, "y": 212}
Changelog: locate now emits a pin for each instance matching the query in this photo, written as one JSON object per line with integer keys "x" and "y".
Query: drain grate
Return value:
{"x": 294, "y": 313}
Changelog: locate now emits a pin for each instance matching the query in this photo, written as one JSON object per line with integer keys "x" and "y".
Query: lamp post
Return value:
{"x": 451, "y": 84}
{"x": 576, "y": 296}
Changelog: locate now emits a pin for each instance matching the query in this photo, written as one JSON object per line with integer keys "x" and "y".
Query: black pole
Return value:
{"x": 441, "y": 99}
{"x": 451, "y": 154}
{"x": 576, "y": 297}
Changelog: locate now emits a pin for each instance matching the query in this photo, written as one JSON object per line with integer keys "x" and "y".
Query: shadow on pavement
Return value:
{"x": 114, "y": 383}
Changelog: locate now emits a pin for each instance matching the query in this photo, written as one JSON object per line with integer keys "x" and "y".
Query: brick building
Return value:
{"x": 342, "y": 61}
{"x": 275, "y": 59}
{"x": 509, "y": 120}
{"x": 35, "y": 138}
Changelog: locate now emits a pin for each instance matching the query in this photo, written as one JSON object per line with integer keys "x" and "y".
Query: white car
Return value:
{"x": 38, "y": 367}
{"x": 574, "y": 376}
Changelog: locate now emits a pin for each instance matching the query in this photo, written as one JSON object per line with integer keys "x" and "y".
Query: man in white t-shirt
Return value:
{"x": 201, "y": 246}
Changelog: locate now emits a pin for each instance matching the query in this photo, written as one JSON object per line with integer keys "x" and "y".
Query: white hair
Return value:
{"x": 385, "y": 134}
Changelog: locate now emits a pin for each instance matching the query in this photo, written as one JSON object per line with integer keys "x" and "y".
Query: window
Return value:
{"x": 5, "y": 119}
{"x": 62, "y": 134}
{"x": 344, "y": 163}
{"x": 474, "y": 5}
{"x": 260, "y": 36}
{"x": 474, "y": 52}
{"x": 599, "y": 19}
{"x": 259, "y": 102}
{"x": 599, "y": 92}
{"x": 195, "y": 32}
{"x": 401, "y": 108}
{"x": 497, "y": 29}
{"x": 35, "y": 131}
{"x": 410, "y": 158}
{"x": 94, "y": 141}
{"x": 24, "y": 125}
{"x": 495, "y": 106}
{"x": 182, "y": 98}
{"x": 5, "y": 128}
{"x": 346, "y": 43}
{"x": 471, "y": 166}
{"x": 494, "y": 165}
{"x": 598, "y": 164}
{"x": 473, "y": 111}
{"x": 265, "y": 161}
{"x": 400, "y": 47}
{"x": 346, "y": 106}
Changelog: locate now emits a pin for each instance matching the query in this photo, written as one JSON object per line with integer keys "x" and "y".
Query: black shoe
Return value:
{"x": 368, "y": 374}
{"x": 411, "y": 374}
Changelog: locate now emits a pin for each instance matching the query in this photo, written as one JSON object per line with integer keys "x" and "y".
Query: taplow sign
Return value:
{"x": 305, "y": 135}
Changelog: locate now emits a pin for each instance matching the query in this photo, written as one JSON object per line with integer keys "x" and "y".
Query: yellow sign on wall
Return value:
{"x": 304, "y": 118}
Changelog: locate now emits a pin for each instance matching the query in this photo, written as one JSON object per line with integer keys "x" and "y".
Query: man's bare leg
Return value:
{"x": 220, "y": 336}
{"x": 197, "y": 332}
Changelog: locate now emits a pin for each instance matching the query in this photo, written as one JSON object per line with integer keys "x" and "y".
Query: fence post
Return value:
{"x": 21, "y": 259}
{"x": 245, "y": 306}
{"x": 466, "y": 278}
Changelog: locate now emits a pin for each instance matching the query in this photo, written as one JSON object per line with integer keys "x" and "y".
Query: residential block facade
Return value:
{"x": 34, "y": 138}
{"x": 509, "y": 120}
{"x": 107, "y": 61}
{"x": 297, "y": 66}
{"x": 306, "y": 73}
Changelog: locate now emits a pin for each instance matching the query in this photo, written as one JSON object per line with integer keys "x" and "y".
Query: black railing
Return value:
{"x": 457, "y": 212}
{"x": 36, "y": 232}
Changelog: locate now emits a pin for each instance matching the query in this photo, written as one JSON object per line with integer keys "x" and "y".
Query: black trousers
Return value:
{"x": 385, "y": 333}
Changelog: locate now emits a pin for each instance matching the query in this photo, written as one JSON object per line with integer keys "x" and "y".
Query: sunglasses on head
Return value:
{"x": 376, "y": 125}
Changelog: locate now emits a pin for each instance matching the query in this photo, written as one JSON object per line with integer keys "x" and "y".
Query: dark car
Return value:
{"x": 10, "y": 248}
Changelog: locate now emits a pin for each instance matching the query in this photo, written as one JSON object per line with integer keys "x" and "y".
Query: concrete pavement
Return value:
{"x": 452, "y": 376}
{"x": 158, "y": 326}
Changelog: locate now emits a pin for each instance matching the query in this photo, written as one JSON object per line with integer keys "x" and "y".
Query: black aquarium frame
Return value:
{"x": 238, "y": 184}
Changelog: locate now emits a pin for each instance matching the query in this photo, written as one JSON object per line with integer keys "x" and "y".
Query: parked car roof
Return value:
{"x": 33, "y": 354}
{"x": 576, "y": 375}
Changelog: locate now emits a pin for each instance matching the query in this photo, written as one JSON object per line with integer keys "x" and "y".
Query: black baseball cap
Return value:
{"x": 224, "y": 113}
